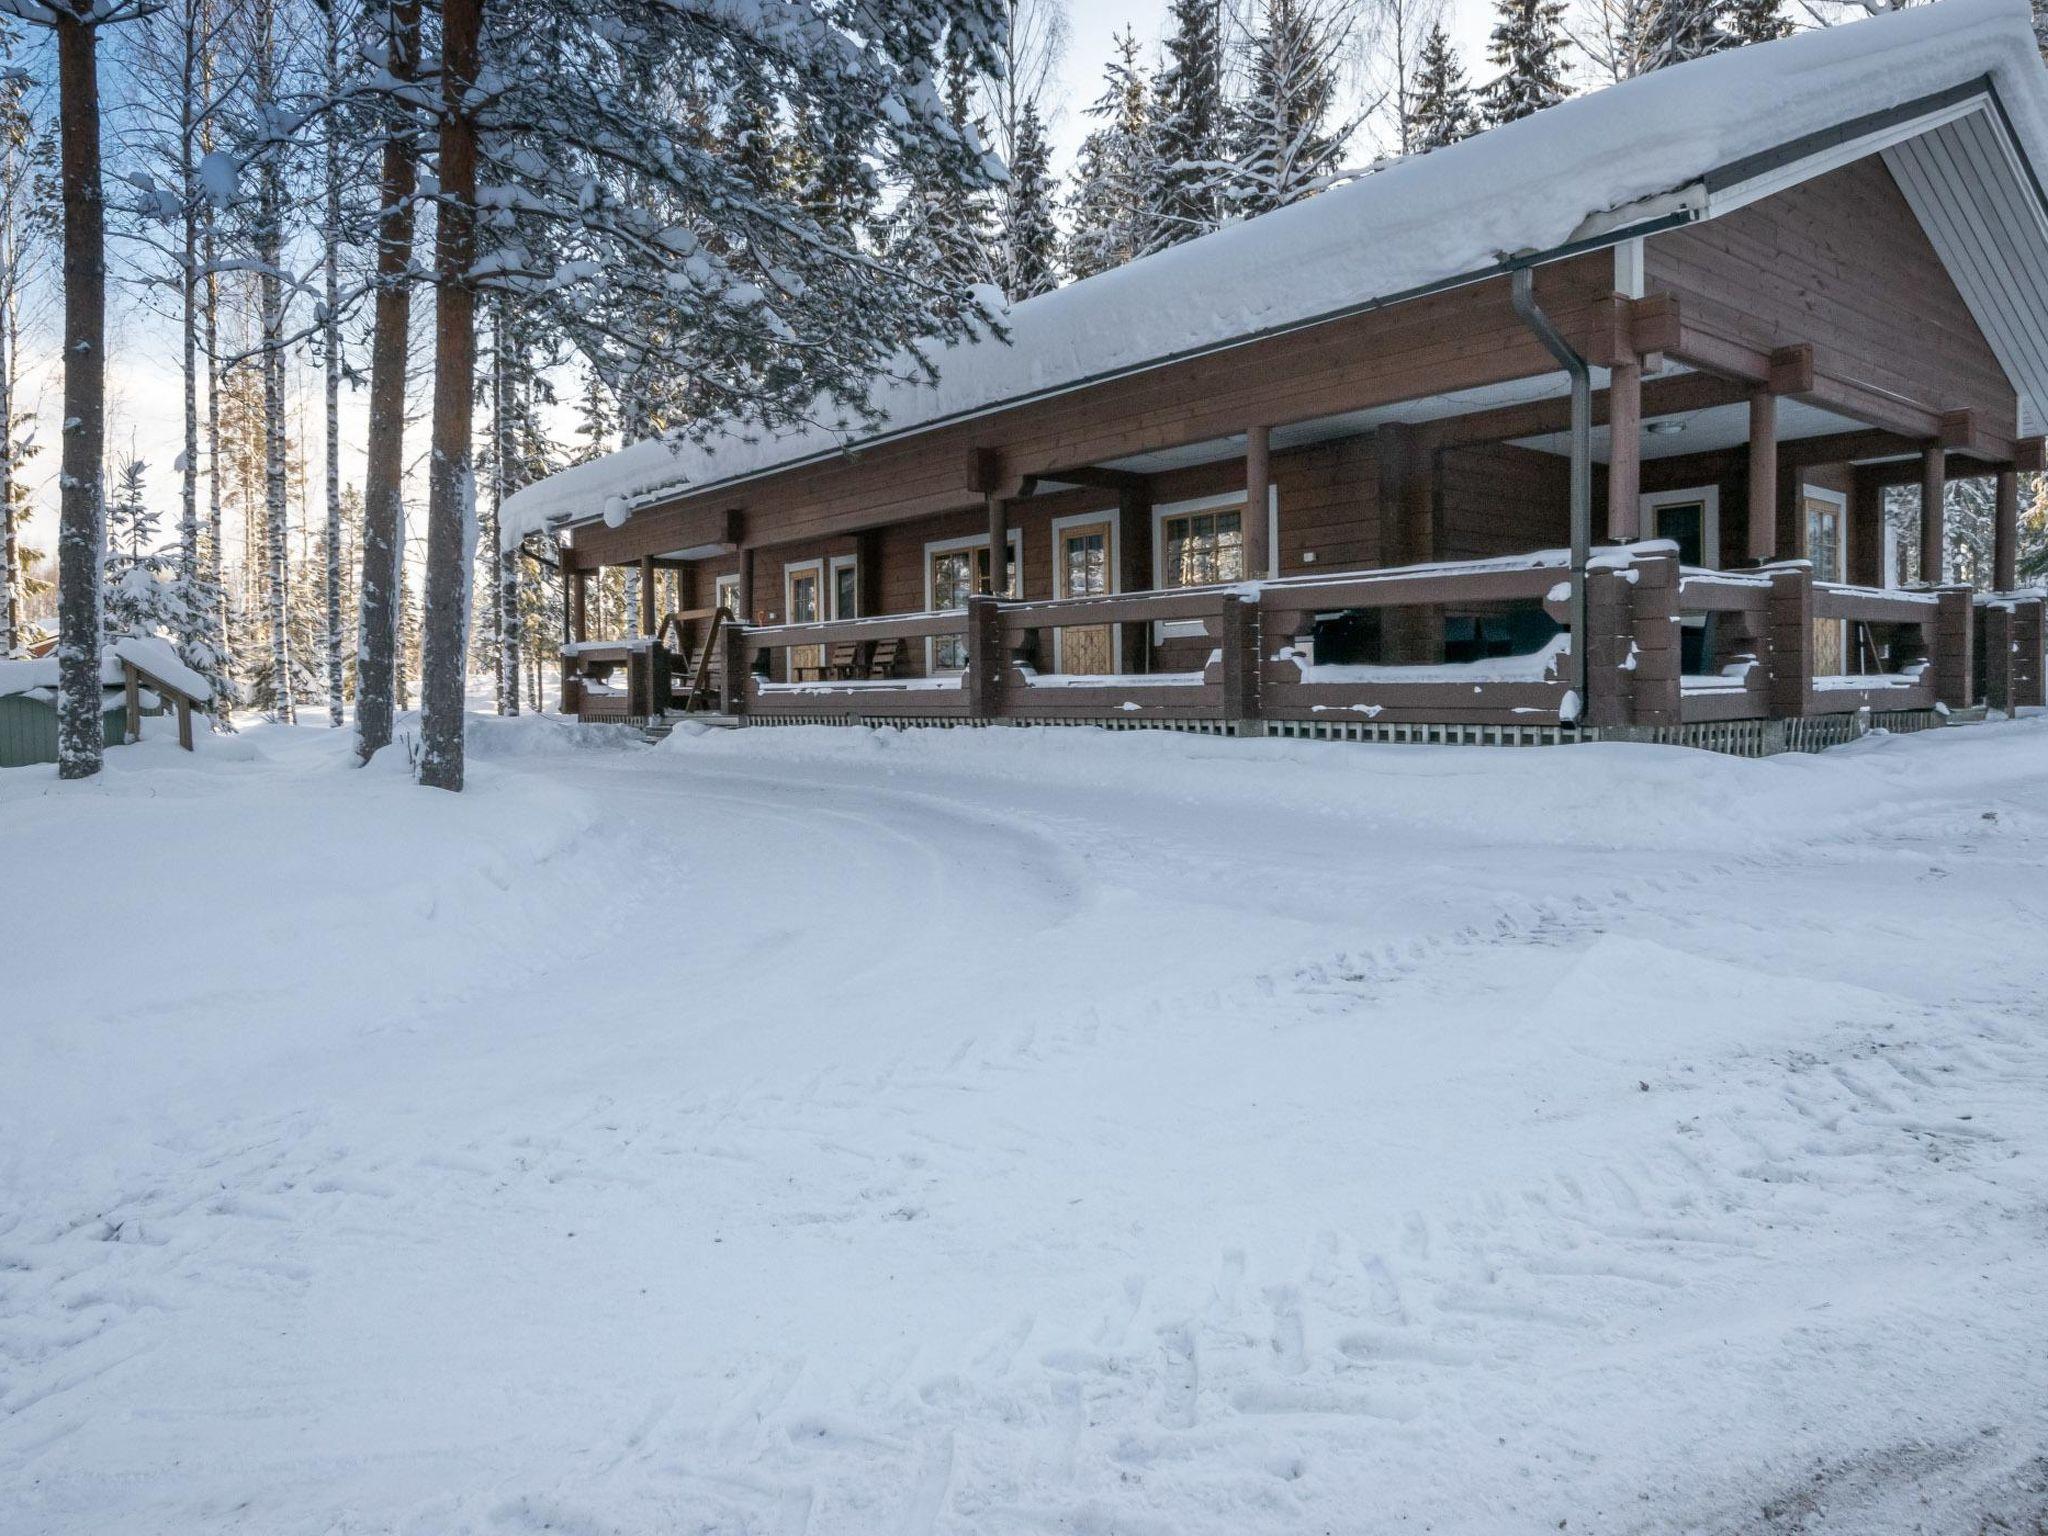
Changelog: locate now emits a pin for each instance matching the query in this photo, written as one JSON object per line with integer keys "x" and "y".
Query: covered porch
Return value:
{"x": 1673, "y": 535}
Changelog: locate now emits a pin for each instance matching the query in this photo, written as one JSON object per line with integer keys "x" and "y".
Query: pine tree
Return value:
{"x": 596, "y": 424}
{"x": 379, "y": 590}
{"x": 1189, "y": 117}
{"x": 81, "y": 515}
{"x": 1679, "y": 31}
{"x": 1527, "y": 47}
{"x": 141, "y": 577}
{"x": 941, "y": 226}
{"x": 1286, "y": 143}
{"x": 1441, "y": 111}
{"x": 1757, "y": 21}
{"x": 272, "y": 205}
{"x": 1031, "y": 238}
{"x": 1115, "y": 170}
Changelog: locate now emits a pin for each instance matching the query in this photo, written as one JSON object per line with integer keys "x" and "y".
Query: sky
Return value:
{"x": 143, "y": 376}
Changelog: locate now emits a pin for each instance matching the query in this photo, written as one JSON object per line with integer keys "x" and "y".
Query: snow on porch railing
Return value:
{"x": 1415, "y": 686}
{"x": 1754, "y": 641}
{"x": 854, "y": 668}
{"x": 1775, "y": 643}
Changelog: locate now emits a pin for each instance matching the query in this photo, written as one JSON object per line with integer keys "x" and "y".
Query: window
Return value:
{"x": 955, "y": 571}
{"x": 1690, "y": 518}
{"x": 1824, "y": 537}
{"x": 728, "y": 596}
{"x": 1200, "y": 548}
{"x": 845, "y": 588}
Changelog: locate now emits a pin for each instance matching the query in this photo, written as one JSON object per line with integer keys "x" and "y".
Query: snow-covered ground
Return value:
{"x": 1009, "y": 1131}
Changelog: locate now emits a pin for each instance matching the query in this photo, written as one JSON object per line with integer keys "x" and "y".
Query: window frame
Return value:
{"x": 936, "y": 547}
{"x": 1223, "y": 501}
{"x": 1709, "y": 498}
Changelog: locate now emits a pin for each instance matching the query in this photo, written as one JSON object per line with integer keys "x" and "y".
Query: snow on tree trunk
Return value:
{"x": 330, "y": 236}
{"x": 384, "y": 466}
{"x": 270, "y": 215}
{"x": 10, "y": 549}
{"x": 81, "y": 534}
{"x": 451, "y": 485}
{"x": 192, "y": 620}
{"x": 505, "y": 600}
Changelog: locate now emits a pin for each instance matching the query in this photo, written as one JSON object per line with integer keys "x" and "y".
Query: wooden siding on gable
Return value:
{"x": 1841, "y": 262}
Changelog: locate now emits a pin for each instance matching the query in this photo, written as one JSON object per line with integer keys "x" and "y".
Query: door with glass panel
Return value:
{"x": 1824, "y": 550}
{"x": 1081, "y": 568}
{"x": 953, "y": 576}
{"x": 805, "y": 661}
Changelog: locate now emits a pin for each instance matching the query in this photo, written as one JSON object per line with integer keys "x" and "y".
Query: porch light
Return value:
{"x": 1664, "y": 428}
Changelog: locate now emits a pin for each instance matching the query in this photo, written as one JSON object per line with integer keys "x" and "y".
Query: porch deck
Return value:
{"x": 1748, "y": 661}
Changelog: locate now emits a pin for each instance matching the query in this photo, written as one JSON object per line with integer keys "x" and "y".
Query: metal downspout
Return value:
{"x": 1523, "y": 292}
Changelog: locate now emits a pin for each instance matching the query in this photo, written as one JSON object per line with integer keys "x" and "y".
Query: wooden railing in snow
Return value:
{"x": 1248, "y": 652}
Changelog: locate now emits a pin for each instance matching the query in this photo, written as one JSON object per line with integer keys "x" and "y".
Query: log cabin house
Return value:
{"x": 1579, "y": 428}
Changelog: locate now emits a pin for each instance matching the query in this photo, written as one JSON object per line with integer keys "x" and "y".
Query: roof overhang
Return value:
{"x": 1954, "y": 154}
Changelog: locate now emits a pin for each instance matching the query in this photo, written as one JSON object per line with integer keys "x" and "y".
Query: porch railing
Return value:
{"x": 1664, "y": 648}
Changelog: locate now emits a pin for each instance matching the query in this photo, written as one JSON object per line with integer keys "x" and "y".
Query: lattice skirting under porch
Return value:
{"x": 1739, "y": 738}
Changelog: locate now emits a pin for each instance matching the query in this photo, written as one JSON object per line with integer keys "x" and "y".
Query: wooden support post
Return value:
{"x": 1763, "y": 477}
{"x": 986, "y": 663}
{"x": 134, "y": 693}
{"x": 2005, "y": 571}
{"x": 1135, "y": 573}
{"x": 1999, "y": 654}
{"x": 998, "y": 546}
{"x": 1655, "y": 637}
{"x": 1933, "y": 491}
{"x": 734, "y": 667}
{"x": 1258, "y": 481}
{"x": 1407, "y": 537}
{"x": 2029, "y": 654}
{"x": 647, "y": 594}
{"x": 1239, "y": 644}
{"x": 1953, "y": 657}
{"x": 184, "y": 722}
{"x": 1791, "y": 641}
{"x": 1625, "y": 453}
{"x": 579, "y": 606}
{"x": 746, "y": 615}
{"x": 867, "y": 565}
{"x": 1610, "y": 692}
{"x": 1864, "y": 544}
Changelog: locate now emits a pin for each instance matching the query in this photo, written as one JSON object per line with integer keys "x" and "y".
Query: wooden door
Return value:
{"x": 804, "y": 660}
{"x": 1082, "y": 569}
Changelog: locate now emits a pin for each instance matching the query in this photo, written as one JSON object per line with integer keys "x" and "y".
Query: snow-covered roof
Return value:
{"x": 39, "y": 674}
{"x": 1528, "y": 187}
{"x": 161, "y": 662}
{"x": 153, "y": 656}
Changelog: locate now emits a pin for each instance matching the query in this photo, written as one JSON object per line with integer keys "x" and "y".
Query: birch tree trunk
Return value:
{"x": 451, "y": 486}
{"x": 384, "y": 469}
{"x": 81, "y": 530}
{"x": 191, "y": 46}
{"x": 10, "y": 547}
{"x": 270, "y": 214}
{"x": 331, "y": 337}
